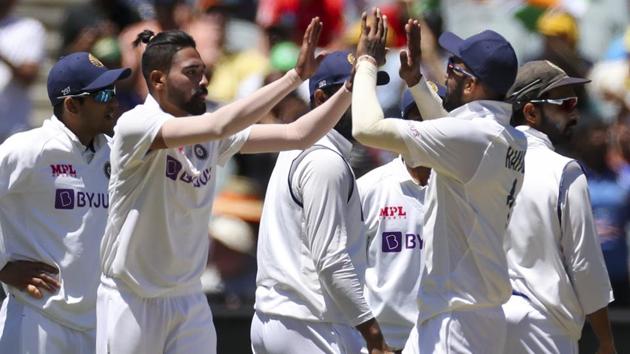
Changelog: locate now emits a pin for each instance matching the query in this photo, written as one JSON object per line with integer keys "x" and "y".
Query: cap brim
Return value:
{"x": 108, "y": 78}
{"x": 451, "y": 42}
{"x": 382, "y": 78}
{"x": 567, "y": 81}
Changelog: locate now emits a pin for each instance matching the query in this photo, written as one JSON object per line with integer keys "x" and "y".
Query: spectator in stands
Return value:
{"x": 21, "y": 52}
{"x": 85, "y": 23}
{"x": 610, "y": 199}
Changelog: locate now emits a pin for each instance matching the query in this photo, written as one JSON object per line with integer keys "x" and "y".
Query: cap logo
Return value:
{"x": 66, "y": 91}
{"x": 351, "y": 59}
{"x": 95, "y": 61}
{"x": 321, "y": 84}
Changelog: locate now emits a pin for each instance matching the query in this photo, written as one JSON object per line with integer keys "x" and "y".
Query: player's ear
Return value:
{"x": 157, "y": 79}
{"x": 530, "y": 113}
{"x": 319, "y": 96}
{"x": 71, "y": 105}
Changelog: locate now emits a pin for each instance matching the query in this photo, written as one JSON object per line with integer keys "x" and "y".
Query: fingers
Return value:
{"x": 54, "y": 283}
{"x": 33, "y": 291}
{"x": 364, "y": 26}
{"x": 404, "y": 59}
{"x": 385, "y": 30}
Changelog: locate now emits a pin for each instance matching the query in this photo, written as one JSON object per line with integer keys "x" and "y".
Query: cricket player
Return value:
{"x": 392, "y": 199}
{"x": 164, "y": 158}
{"x": 311, "y": 247}
{"x": 555, "y": 261}
{"x": 53, "y": 210}
{"x": 477, "y": 170}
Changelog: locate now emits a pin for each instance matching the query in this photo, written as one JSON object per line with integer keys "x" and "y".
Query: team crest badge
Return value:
{"x": 95, "y": 61}
{"x": 351, "y": 59}
{"x": 107, "y": 169}
{"x": 200, "y": 152}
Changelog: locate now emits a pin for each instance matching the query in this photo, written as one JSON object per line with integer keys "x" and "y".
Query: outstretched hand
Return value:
{"x": 411, "y": 57}
{"x": 373, "y": 36}
{"x": 307, "y": 62}
{"x": 31, "y": 277}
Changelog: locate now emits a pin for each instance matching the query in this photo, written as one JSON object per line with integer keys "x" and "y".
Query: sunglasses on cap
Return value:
{"x": 100, "y": 96}
{"x": 451, "y": 68}
{"x": 566, "y": 104}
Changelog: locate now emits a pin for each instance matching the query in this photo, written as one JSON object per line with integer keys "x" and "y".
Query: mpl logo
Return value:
{"x": 69, "y": 199}
{"x": 394, "y": 241}
{"x": 63, "y": 170}
{"x": 393, "y": 212}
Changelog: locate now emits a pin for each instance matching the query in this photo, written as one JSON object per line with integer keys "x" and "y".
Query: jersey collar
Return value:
{"x": 535, "y": 137}
{"x": 99, "y": 141}
{"x": 499, "y": 111}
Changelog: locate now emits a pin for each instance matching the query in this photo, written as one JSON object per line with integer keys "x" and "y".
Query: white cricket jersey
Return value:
{"x": 552, "y": 245}
{"x": 311, "y": 257}
{"x": 477, "y": 162}
{"x": 393, "y": 205}
{"x": 156, "y": 241}
{"x": 53, "y": 209}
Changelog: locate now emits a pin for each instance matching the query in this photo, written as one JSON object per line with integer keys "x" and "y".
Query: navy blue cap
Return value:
{"x": 78, "y": 73}
{"x": 335, "y": 69}
{"x": 488, "y": 55}
{"x": 407, "y": 102}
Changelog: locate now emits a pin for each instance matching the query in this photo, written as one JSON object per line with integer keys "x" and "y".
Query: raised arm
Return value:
{"x": 301, "y": 133}
{"x": 368, "y": 125}
{"x": 428, "y": 102}
{"x": 239, "y": 115}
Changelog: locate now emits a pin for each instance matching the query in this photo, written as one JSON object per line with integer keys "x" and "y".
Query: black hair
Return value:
{"x": 518, "y": 103}
{"x": 161, "y": 47}
{"x": 328, "y": 90}
{"x": 59, "y": 108}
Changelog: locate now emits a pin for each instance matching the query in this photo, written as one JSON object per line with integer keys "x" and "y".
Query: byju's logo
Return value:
{"x": 69, "y": 199}
{"x": 394, "y": 241}
{"x": 64, "y": 199}
{"x": 174, "y": 167}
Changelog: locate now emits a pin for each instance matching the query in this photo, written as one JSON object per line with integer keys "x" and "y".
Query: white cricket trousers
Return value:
{"x": 478, "y": 331}
{"x": 531, "y": 332}
{"x": 128, "y": 324}
{"x": 272, "y": 334}
{"x": 25, "y": 330}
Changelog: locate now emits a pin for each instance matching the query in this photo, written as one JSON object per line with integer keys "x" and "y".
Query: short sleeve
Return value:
{"x": 451, "y": 146}
{"x": 581, "y": 251}
{"x": 232, "y": 144}
{"x": 16, "y": 164}
{"x": 134, "y": 134}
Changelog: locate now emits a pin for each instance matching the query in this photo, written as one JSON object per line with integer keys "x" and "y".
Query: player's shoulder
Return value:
{"x": 323, "y": 161}
{"x": 28, "y": 146}
{"x": 374, "y": 178}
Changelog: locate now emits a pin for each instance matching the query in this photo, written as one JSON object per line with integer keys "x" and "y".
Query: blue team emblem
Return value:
{"x": 200, "y": 152}
{"x": 107, "y": 169}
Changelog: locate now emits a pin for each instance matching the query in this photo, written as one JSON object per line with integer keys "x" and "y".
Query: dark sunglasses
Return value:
{"x": 451, "y": 68}
{"x": 101, "y": 96}
{"x": 567, "y": 104}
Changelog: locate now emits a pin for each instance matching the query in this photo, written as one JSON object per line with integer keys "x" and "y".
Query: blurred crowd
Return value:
{"x": 248, "y": 43}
